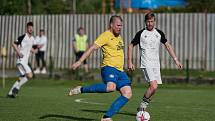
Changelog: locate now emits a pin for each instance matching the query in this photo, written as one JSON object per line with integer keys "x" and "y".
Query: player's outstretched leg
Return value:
{"x": 75, "y": 91}
{"x": 118, "y": 103}
{"x": 96, "y": 88}
{"x": 115, "y": 107}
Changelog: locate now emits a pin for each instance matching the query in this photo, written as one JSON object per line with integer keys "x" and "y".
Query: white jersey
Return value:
{"x": 42, "y": 40}
{"x": 149, "y": 42}
{"x": 25, "y": 44}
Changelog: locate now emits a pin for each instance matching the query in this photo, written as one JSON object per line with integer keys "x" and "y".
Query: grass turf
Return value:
{"x": 46, "y": 100}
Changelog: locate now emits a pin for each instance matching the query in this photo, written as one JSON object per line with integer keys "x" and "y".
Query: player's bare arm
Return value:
{"x": 130, "y": 55}
{"x": 34, "y": 50}
{"x": 17, "y": 50}
{"x": 85, "y": 56}
{"x": 169, "y": 48}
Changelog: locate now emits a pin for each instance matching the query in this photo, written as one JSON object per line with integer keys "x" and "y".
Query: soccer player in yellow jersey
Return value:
{"x": 113, "y": 76}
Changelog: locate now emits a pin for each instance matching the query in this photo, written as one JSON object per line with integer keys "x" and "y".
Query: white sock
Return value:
{"x": 22, "y": 81}
{"x": 15, "y": 85}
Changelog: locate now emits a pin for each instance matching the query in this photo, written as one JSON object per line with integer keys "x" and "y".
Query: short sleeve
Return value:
{"x": 19, "y": 39}
{"x": 136, "y": 39}
{"x": 163, "y": 38}
{"x": 101, "y": 40}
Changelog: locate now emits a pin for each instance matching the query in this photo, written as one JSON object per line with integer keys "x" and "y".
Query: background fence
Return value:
{"x": 191, "y": 34}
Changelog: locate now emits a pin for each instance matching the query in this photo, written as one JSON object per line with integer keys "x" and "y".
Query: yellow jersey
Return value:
{"x": 112, "y": 50}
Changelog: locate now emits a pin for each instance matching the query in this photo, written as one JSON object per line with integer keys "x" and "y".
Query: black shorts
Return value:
{"x": 78, "y": 56}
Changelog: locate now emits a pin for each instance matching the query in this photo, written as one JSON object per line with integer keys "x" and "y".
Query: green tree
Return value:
{"x": 38, "y": 7}
{"x": 55, "y": 6}
{"x": 8, "y": 7}
{"x": 89, "y": 6}
{"x": 201, "y": 6}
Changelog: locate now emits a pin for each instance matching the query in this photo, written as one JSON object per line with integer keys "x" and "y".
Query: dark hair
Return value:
{"x": 149, "y": 16}
{"x": 42, "y": 30}
{"x": 30, "y": 24}
{"x": 80, "y": 28}
{"x": 113, "y": 18}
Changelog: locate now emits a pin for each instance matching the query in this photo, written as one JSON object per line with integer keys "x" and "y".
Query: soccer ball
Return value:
{"x": 142, "y": 116}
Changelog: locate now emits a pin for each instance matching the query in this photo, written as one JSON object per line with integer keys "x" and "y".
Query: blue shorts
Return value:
{"x": 111, "y": 74}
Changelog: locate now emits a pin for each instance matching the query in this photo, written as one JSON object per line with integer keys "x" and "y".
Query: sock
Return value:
{"x": 145, "y": 99}
{"x": 102, "y": 88}
{"x": 15, "y": 85}
{"x": 116, "y": 106}
{"x": 144, "y": 104}
{"x": 22, "y": 81}
{"x": 106, "y": 116}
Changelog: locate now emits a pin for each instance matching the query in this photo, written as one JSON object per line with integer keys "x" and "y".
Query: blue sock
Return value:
{"x": 116, "y": 106}
{"x": 94, "y": 88}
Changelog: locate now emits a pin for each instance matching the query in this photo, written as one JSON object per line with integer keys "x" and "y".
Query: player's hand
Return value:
{"x": 35, "y": 51}
{"x": 76, "y": 65}
{"x": 131, "y": 66}
{"x": 20, "y": 55}
{"x": 180, "y": 66}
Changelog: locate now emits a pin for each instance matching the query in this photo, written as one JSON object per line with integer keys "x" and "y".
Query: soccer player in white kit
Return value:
{"x": 23, "y": 46}
{"x": 149, "y": 40}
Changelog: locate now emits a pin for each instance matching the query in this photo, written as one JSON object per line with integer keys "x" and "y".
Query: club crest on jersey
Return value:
{"x": 111, "y": 76}
{"x": 145, "y": 36}
{"x": 156, "y": 36}
{"x": 120, "y": 46}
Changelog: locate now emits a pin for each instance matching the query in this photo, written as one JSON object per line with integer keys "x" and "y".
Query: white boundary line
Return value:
{"x": 81, "y": 100}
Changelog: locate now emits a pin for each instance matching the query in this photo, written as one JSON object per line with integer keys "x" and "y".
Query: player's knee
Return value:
{"x": 127, "y": 94}
{"x": 154, "y": 86}
{"x": 29, "y": 75}
{"x": 111, "y": 87}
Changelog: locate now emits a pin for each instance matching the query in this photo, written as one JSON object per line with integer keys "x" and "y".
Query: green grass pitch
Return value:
{"x": 46, "y": 100}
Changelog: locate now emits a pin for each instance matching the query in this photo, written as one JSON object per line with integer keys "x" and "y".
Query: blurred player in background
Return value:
{"x": 80, "y": 44}
{"x": 23, "y": 46}
{"x": 114, "y": 78}
{"x": 41, "y": 42}
{"x": 149, "y": 40}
